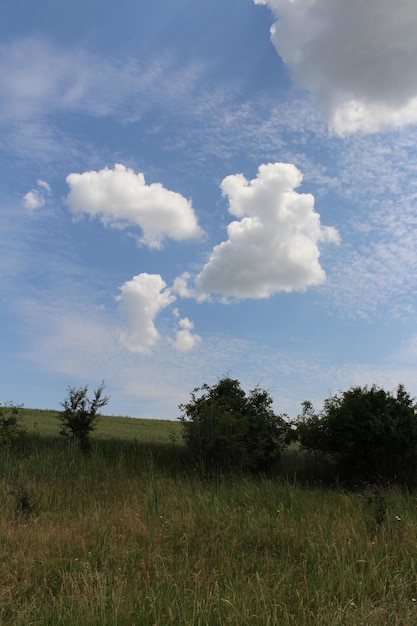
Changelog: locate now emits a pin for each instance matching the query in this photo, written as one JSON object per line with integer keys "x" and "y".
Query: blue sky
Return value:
{"x": 193, "y": 189}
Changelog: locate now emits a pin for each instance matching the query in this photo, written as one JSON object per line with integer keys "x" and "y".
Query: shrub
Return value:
{"x": 10, "y": 430}
{"x": 79, "y": 417}
{"x": 226, "y": 430}
{"x": 370, "y": 433}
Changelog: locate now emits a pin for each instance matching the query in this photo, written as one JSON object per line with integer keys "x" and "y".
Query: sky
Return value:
{"x": 193, "y": 189}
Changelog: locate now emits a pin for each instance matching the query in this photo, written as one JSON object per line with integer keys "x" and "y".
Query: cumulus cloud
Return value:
{"x": 357, "y": 57}
{"x": 274, "y": 246}
{"x": 120, "y": 198}
{"x": 141, "y": 299}
{"x": 181, "y": 286}
{"x": 185, "y": 340}
{"x": 35, "y": 198}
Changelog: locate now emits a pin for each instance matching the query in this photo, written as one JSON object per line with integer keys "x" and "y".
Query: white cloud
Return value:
{"x": 141, "y": 299}
{"x": 180, "y": 286}
{"x": 185, "y": 340}
{"x": 121, "y": 198}
{"x": 35, "y": 198}
{"x": 45, "y": 186}
{"x": 274, "y": 247}
{"x": 358, "y": 57}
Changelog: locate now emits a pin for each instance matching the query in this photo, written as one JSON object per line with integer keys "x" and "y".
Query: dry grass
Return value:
{"x": 128, "y": 537}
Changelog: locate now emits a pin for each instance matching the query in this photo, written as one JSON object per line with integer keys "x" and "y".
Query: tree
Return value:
{"x": 79, "y": 417}
{"x": 226, "y": 430}
{"x": 371, "y": 434}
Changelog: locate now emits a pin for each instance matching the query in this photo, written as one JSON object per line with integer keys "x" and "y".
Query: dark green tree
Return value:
{"x": 226, "y": 430}
{"x": 370, "y": 433}
{"x": 79, "y": 417}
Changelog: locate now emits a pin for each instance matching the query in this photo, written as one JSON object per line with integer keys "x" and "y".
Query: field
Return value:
{"x": 129, "y": 535}
{"x": 44, "y": 422}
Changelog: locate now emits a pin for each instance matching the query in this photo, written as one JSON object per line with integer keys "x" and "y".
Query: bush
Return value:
{"x": 10, "y": 430}
{"x": 371, "y": 434}
{"x": 79, "y": 417}
{"x": 226, "y": 430}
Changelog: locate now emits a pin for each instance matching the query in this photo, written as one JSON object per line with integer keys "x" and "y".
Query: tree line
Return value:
{"x": 365, "y": 435}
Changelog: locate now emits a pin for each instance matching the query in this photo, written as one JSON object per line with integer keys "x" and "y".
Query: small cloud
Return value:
{"x": 185, "y": 340}
{"x": 35, "y": 198}
{"x": 181, "y": 287}
{"x": 141, "y": 299}
{"x": 44, "y": 185}
{"x": 274, "y": 246}
{"x": 120, "y": 199}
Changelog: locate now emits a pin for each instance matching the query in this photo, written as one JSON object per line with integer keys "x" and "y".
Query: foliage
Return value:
{"x": 370, "y": 433}
{"x": 226, "y": 430}
{"x": 79, "y": 417}
{"x": 10, "y": 430}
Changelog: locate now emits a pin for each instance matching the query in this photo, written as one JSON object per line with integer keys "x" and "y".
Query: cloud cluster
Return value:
{"x": 357, "y": 57}
{"x": 35, "y": 198}
{"x": 274, "y": 246}
{"x": 141, "y": 300}
{"x": 120, "y": 198}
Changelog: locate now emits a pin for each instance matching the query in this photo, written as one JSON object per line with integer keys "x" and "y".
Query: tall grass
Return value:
{"x": 130, "y": 536}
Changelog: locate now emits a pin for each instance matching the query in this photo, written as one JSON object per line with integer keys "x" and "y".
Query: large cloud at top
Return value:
{"x": 274, "y": 245}
{"x": 357, "y": 56}
{"x": 121, "y": 198}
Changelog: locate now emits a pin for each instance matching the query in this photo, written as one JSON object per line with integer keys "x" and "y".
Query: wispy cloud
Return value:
{"x": 39, "y": 78}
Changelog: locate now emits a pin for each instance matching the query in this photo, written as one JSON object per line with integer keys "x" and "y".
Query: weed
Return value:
{"x": 23, "y": 502}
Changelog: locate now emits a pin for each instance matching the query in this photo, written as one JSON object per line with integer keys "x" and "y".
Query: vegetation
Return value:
{"x": 127, "y": 535}
{"x": 79, "y": 417}
{"x": 43, "y": 422}
{"x": 226, "y": 430}
{"x": 131, "y": 534}
{"x": 10, "y": 430}
{"x": 370, "y": 434}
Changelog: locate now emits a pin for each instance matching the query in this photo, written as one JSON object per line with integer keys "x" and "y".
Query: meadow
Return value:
{"x": 131, "y": 535}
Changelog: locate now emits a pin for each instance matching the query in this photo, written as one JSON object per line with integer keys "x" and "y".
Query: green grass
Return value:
{"x": 131, "y": 536}
{"x": 45, "y": 422}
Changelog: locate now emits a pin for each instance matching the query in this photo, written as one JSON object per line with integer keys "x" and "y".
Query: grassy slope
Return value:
{"x": 127, "y": 536}
{"x": 45, "y": 422}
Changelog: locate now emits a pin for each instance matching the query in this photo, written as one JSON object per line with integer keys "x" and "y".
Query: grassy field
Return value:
{"x": 45, "y": 422}
{"x": 129, "y": 535}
